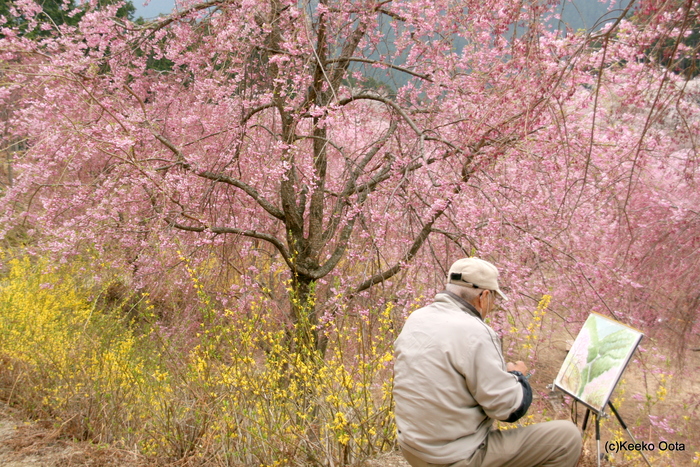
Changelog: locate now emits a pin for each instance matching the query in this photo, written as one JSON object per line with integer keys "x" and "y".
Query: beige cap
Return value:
{"x": 475, "y": 272}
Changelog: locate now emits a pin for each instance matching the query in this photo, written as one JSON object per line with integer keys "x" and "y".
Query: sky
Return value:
{"x": 153, "y": 9}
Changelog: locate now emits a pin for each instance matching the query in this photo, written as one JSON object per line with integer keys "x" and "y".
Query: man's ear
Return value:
{"x": 484, "y": 300}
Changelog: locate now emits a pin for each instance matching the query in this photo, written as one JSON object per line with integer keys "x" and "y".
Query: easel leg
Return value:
{"x": 624, "y": 426}
{"x": 597, "y": 430}
{"x": 597, "y": 436}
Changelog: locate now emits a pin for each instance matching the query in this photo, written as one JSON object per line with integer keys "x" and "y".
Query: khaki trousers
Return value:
{"x": 551, "y": 444}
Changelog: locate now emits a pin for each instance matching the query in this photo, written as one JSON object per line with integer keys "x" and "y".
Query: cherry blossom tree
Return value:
{"x": 335, "y": 144}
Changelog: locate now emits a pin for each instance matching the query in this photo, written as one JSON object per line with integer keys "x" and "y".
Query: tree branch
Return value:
{"x": 388, "y": 65}
{"x": 274, "y": 241}
{"x": 347, "y": 52}
{"x": 387, "y": 102}
{"x": 455, "y": 239}
{"x": 156, "y": 25}
{"x": 351, "y": 185}
{"x": 254, "y": 111}
{"x": 409, "y": 255}
{"x": 271, "y": 209}
{"x": 392, "y": 15}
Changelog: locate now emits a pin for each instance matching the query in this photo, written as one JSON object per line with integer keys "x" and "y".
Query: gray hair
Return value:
{"x": 467, "y": 293}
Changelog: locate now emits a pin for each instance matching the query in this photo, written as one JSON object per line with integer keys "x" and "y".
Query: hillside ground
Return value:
{"x": 674, "y": 404}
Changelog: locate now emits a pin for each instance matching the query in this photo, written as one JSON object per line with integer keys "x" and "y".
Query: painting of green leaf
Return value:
{"x": 596, "y": 360}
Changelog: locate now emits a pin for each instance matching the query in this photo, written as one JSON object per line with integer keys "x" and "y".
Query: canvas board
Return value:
{"x": 597, "y": 360}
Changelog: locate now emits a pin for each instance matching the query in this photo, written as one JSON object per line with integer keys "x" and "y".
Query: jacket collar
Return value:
{"x": 461, "y": 303}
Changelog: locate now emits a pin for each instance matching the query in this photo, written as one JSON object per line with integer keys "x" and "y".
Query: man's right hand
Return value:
{"x": 517, "y": 366}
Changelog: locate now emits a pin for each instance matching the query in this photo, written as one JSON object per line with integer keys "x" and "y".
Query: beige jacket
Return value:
{"x": 450, "y": 382}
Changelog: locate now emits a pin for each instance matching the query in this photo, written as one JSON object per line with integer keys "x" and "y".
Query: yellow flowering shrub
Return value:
{"x": 64, "y": 359}
{"x": 246, "y": 391}
{"x": 259, "y": 397}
